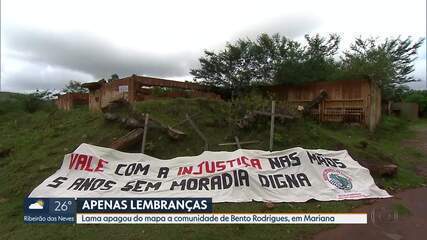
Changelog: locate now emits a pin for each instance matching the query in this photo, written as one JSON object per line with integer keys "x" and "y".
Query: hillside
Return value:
{"x": 40, "y": 139}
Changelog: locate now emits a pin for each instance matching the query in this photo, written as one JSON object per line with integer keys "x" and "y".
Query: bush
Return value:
{"x": 10, "y": 102}
{"x": 39, "y": 100}
{"x": 420, "y": 97}
{"x": 390, "y": 124}
{"x": 32, "y": 104}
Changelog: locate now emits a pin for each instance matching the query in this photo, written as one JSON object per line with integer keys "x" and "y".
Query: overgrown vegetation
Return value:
{"x": 405, "y": 94}
{"x": 279, "y": 60}
{"x": 14, "y": 102}
{"x": 39, "y": 141}
{"x": 164, "y": 91}
{"x": 74, "y": 87}
{"x": 417, "y": 96}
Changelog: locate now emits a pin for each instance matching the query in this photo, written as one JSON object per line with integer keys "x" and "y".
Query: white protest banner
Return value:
{"x": 292, "y": 175}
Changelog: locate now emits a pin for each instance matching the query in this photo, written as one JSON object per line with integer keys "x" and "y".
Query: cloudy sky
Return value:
{"x": 44, "y": 44}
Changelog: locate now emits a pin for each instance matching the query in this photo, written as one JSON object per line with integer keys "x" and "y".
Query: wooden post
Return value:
{"x": 241, "y": 143}
{"x": 389, "y": 107}
{"x": 185, "y": 120}
{"x": 373, "y": 106}
{"x": 237, "y": 142}
{"x": 322, "y": 111}
{"x": 198, "y": 131}
{"x": 273, "y": 111}
{"x": 144, "y": 136}
{"x": 128, "y": 140}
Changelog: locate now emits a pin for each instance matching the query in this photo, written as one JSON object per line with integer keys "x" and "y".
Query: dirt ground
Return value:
{"x": 404, "y": 216}
{"x": 419, "y": 142}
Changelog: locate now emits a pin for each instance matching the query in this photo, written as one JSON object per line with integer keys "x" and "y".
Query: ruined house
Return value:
{"x": 405, "y": 110}
{"x": 346, "y": 101}
{"x": 139, "y": 88}
{"x": 69, "y": 100}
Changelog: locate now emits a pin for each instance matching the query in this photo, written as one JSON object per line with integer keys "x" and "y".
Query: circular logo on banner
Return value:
{"x": 338, "y": 179}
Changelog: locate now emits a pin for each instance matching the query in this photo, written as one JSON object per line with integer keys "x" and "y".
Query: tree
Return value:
{"x": 389, "y": 63}
{"x": 114, "y": 77}
{"x": 74, "y": 87}
{"x": 313, "y": 62}
{"x": 272, "y": 53}
{"x": 231, "y": 68}
{"x": 37, "y": 100}
{"x": 268, "y": 60}
{"x": 276, "y": 59}
{"x": 394, "y": 93}
{"x": 418, "y": 96}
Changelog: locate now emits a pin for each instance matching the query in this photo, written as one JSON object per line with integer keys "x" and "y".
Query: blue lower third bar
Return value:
{"x": 144, "y": 205}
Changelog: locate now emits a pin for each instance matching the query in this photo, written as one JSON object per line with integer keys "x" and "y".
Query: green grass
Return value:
{"x": 40, "y": 140}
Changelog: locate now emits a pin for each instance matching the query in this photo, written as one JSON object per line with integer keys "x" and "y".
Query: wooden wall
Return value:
{"x": 67, "y": 101}
{"x": 108, "y": 92}
{"x": 405, "y": 110}
{"x": 101, "y": 94}
{"x": 374, "y": 105}
{"x": 347, "y": 101}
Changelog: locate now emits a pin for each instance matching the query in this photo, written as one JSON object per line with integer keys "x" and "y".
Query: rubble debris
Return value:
{"x": 116, "y": 106}
{"x": 277, "y": 115}
{"x": 128, "y": 140}
{"x": 175, "y": 134}
{"x": 192, "y": 116}
{"x": 381, "y": 170}
{"x": 388, "y": 170}
{"x": 132, "y": 123}
{"x": 252, "y": 116}
{"x": 122, "y": 111}
{"x": 110, "y": 116}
